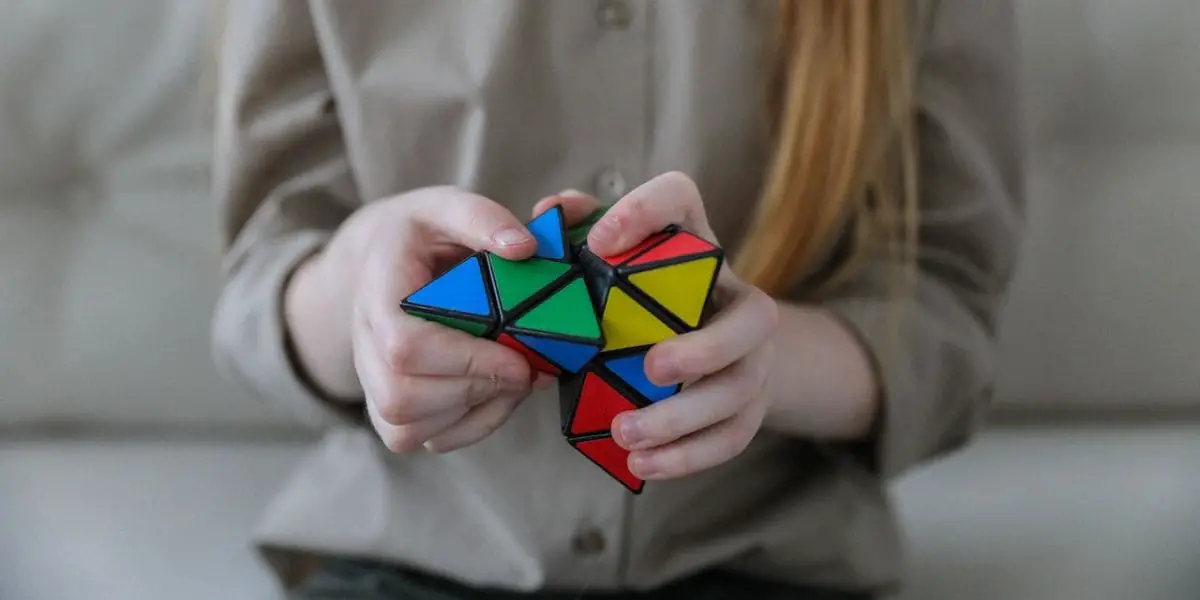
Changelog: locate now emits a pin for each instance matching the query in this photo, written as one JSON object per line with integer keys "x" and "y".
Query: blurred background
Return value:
{"x": 129, "y": 471}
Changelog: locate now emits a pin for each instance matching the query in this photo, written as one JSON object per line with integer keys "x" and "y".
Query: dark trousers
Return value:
{"x": 347, "y": 580}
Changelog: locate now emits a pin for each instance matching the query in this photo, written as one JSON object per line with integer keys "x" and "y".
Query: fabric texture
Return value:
{"x": 325, "y": 106}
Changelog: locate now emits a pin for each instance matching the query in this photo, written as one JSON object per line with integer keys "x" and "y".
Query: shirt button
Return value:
{"x": 614, "y": 14}
{"x": 588, "y": 542}
{"x": 610, "y": 186}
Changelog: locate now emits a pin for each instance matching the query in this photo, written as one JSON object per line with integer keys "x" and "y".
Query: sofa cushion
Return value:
{"x": 108, "y": 238}
{"x": 1102, "y": 315}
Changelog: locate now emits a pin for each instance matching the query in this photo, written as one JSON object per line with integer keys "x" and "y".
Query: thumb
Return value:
{"x": 473, "y": 221}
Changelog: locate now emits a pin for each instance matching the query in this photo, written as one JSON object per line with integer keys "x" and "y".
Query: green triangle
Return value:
{"x": 517, "y": 281}
{"x": 474, "y": 328}
{"x": 568, "y": 312}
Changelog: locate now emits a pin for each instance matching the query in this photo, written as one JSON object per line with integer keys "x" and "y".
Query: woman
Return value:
{"x": 851, "y": 156}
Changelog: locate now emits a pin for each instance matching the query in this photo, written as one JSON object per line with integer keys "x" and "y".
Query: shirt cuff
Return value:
{"x": 251, "y": 344}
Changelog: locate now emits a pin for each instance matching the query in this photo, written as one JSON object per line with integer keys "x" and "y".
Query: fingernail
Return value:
{"x": 644, "y": 467}
{"x": 511, "y": 237}
{"x": 631, "y": 431}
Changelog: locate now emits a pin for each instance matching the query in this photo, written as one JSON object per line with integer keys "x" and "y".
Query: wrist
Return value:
{"x": 317, "y": 316}
{"x": 822, "y": 383}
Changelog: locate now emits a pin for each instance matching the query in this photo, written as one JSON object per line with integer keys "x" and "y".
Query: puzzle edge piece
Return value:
{"x": 598, "y": 340}
{"x": 625, "y": 271}
{"x": 642, "y": 400}
{"x": 489, "y": 327}
{"x": 633, "y": 265}
{"x": 634, "y": 400}
{"x": 705, "y": 308}
{"x": 636, "y": 296}
{"x": 575, "y": 443}
{"x": 530, "y": 354}
{"x": 562, "y": 231}
{"x": 407, "y": 303}
{"x": 526, "y": 305}
{"x": 518, "y": 335}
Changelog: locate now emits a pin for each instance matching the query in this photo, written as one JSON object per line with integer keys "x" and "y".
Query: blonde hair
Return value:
{"x": 844, "y": 151}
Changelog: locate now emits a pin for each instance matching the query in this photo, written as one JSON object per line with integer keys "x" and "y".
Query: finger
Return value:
{"x": 410, "y": 438}
{"x": 413, "y": 346}
{"x": 699, "y": 451}
{"x": 576, "y": 205}
{"x": 413, "y": 399}
{"x": 479, "y": 423}
{"x": 702, "y": 405}
{"x": 669, "y": 199}
{"x": 745, "y": 324}
{"x": 472, "y": 221}
{"x": 403, "y": 398}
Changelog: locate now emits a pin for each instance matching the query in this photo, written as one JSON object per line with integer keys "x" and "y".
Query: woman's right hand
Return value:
{"x": 424, "y": 384}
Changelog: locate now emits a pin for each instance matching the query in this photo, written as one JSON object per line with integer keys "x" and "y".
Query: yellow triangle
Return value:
{"x": 627, "y": 324}
{"x": 681, "y": 288}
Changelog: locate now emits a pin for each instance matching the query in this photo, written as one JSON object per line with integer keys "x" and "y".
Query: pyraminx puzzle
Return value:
{"x": 588, "y": 320}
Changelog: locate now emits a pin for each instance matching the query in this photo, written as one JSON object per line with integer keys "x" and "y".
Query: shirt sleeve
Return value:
{"x": 283, "y": 184}
{"x": 935, "y": 350}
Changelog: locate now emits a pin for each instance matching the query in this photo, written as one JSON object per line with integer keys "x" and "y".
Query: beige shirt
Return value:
{"x": 328, "y": 104}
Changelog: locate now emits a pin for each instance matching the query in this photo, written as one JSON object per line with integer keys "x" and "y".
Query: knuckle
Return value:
{"x": 398, "y": 408}
{"x": 401, "y": 351}
{"x": 481, "y": 390}
{"x": 744, "y": 432}
{"x": 680, "y": 462}
{"x": 735, "y": 443}
{"x": 494, "y": 421}
{"x": 637, "y": 210}
{"x": 683, "y": 182}
{"x": 672, "y": 425}
{"x": 472, "y": 365}
{"x": 764, "y": 306}
{"x": 402, "y": 440}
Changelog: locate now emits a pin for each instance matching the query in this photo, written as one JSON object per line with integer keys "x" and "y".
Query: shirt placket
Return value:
{"x": 611, "y": 118}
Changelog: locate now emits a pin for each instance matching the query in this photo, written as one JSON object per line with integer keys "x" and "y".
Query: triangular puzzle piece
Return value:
{"x": 460, "y": 290}
{"x": 549, "y": 229}
{"x": 679, "y": 246}
{"x": 628, "y": 324}
{"x": 643, "y": 246}
{"x": 632, "y": 370}
{"x": 536, "y": 361}
{"x": 520, "y": 281}
{"x": 596, "y": 407}
{"x": 475, "y": 328}
{"x": 613, "y": 459}
{"x": 681, "y": 288}
{"x": 568, "y": 356}
{"x": 568, "y": 313}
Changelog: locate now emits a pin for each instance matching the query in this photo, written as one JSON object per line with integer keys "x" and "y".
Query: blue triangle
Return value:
{"x": 632, "y": 370}
{"x": 568, "y": 355}
{"x": 547, "y": 229}
{"x": 461, "y": 289}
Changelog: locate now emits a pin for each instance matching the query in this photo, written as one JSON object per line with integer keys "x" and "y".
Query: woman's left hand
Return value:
{"x": 725, "y": 364}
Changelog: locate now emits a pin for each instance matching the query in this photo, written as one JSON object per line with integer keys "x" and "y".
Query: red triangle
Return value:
{"x": 619, "y": 259}
{"x": 535, "y": 360}
{"x": 598, "y": 405}
{"x": 680, "y": 245}
{"x": 613, "y": 459}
